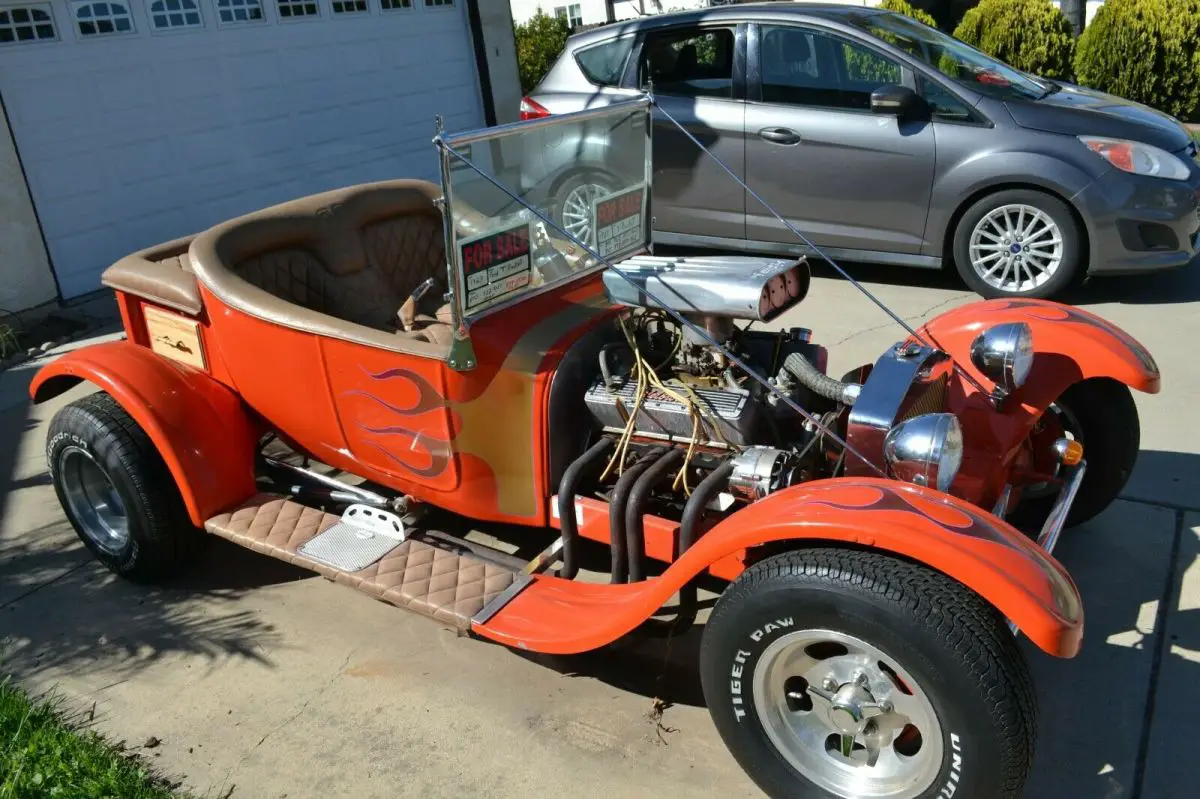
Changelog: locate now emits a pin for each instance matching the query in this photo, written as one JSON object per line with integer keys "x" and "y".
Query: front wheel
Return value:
{"x": 1101, "y": 415}
{"x": 1018, "y": 243}
{"x": 840, "y": 673}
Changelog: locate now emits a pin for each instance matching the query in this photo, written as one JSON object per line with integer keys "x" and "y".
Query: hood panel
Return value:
{"x": 1078, "y": 111}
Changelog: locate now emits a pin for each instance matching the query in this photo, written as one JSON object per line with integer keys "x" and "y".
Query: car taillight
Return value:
{"x": 531, "y": 109}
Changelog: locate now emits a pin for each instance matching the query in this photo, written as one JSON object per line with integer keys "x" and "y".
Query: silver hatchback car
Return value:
{"x": 883, "y": 140}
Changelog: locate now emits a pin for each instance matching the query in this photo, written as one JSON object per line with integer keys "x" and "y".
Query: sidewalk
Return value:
{"x": 265, "y": 681}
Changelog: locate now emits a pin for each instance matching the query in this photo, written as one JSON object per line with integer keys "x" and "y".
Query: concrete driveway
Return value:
{"x": 264, "y": 681}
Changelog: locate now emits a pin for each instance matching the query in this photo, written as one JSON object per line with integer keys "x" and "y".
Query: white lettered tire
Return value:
{"x": 815, "y": 653}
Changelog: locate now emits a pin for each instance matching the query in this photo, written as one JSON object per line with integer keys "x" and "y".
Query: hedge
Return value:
{"x": 1147, "y": 51}
{"x": 1031, "y": 35}
{"x": 539, "y": 41}
{"x": 903, "y": 7}
{"x": 863, "y": 65}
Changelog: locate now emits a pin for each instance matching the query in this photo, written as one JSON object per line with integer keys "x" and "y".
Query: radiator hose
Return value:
{"x": 815, "y": 381}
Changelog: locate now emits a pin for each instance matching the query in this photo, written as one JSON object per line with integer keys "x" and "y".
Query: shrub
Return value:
{"x": 540, "y": 40}
{"x": 1031, "y": 35}
{"x": 903, "y": 7}
{"x": 1147, "y": 51}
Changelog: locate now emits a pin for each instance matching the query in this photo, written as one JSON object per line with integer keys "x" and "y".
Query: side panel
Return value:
{"x": 202, "y": 430}
{"x": 988, "y": 556}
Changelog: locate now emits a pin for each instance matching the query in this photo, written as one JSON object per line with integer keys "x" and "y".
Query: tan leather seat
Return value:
{"x": 339, "y": 263}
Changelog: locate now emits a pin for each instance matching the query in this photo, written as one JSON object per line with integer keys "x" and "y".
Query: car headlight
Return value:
{"x": 926, "y": 450}
{"x": 1137, "y": 158}
{"x": 1005, "y": 354}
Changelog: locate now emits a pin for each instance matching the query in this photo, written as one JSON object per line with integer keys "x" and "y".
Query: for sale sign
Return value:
{"x": 619, "y": 221}
{"x": 495, "y": 265}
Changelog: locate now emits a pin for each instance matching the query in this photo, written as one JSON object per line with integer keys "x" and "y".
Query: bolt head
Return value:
{"x": 860, "y": 678}
{"x": 886, "y": 706}
{"x": 829, "y": 684}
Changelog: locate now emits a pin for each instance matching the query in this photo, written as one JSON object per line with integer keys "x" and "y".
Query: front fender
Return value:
{"x": 980, "y": 551}
{"x": 199, "y": 426}
{"x": 1071, "y": 344}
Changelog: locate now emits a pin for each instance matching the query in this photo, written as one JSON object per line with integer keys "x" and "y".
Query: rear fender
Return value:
{"x": 200, "y": 427}
{"x": 976, "y": 549}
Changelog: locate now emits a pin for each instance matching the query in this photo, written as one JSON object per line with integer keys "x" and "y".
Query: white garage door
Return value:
{"x": 138, "y": 121}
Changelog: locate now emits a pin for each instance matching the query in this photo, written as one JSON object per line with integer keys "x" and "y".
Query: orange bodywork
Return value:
{"x": 1070, "y": 344}
{"x": 199, "y": 426}
{"x": 988, "y": 556}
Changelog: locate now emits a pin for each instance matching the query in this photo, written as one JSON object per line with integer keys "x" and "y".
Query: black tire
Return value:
{"x": 955, "y": 645}
{"x": 1101, "y": 414}
{"x": 576, "y": 181}
{"x": 1056, "y": 209}
{"x": 161, "y": 537}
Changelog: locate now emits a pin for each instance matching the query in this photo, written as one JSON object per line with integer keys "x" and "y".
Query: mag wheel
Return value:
{"x": 839, "y": 673}
{"x": 117, "y": 492}
{"x": 1101, "y": 415}
{"x": 574, "y": 204}
{"x": 1018, "y": 243}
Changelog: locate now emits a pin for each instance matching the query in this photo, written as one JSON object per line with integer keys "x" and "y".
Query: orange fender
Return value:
{"x": 1070, "y": 344}
{"x": 947, "y": 534}
{"x": 199, "y": 426}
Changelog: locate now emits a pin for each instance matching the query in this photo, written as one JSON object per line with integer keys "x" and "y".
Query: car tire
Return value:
{"x": 994, "y": 221}
{"x": 117, "y": 491}
{"x": 1100, "y": 413}
{"x": 572, "y": 203}
{"x": 939, "y": 640}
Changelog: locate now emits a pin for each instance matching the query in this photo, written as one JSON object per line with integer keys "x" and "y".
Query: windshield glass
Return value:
{"x": 954, "y": 59}
{"x": 586, "y": 172}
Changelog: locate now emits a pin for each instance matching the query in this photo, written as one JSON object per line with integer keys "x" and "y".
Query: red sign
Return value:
{"x": 495, "y": 265}
{"x": 494, "y": 248}
{"x": 619, "y": 222}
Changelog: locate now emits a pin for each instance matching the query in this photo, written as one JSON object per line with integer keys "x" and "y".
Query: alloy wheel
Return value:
{"x": 576, "y": 210}
{"x": 847, "y": 716}
{"x": 1016, "y": 248}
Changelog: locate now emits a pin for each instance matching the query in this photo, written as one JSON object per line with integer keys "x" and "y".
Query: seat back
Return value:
{"x": 340, "y": 263}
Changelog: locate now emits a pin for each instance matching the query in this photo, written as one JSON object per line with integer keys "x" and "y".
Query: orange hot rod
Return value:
{"x": 338, "y": 380}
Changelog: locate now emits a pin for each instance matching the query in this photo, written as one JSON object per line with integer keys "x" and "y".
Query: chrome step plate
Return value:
{"x": 362, "y": 537}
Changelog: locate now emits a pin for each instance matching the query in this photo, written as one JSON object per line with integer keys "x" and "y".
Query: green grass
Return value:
{"x": 46, "y": 753}
{"x": 8, "y": 341}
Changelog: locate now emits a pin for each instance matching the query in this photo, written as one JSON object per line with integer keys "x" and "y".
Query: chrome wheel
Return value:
{"x": 847, "y": 716}
{"x": 1016, "y": 248}
{"x": 576, "y": 210}
{"x": 93, "y": 501}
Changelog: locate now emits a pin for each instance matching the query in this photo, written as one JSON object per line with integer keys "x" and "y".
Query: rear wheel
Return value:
{"x": 573, "y": 203}
{"x": 1018, "y": 243}
{"x": 839, "y": 673}
{"x": 117, "y": 492}
{"x": 1101, "y": 415}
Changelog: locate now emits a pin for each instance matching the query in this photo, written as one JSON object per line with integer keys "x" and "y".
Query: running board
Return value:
{"x": 421, "y": 573}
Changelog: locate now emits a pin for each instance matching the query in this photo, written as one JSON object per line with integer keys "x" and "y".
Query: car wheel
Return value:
{"x": 841, "y": 673}
{"x": 1018, "y": 243}
{"x": 117, "y": 492}
{"x": 1101, "y": 415}
{"x": 573, "y": 204}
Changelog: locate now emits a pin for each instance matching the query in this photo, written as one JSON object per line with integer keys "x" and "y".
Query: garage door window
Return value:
{"x": 395, "y": 5}
{"x": 293, "y": 9}
{"x": 165, "y": 14}
{"x": 102, "y": 19}
{"x": 232, "y": 12}
{"x": 439, "y": 2}
{"x": 26, "y": 24}
{"x": 349, "y": 6}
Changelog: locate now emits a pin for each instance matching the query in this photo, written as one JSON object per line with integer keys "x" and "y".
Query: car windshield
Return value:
{"x": 954, "y": 59}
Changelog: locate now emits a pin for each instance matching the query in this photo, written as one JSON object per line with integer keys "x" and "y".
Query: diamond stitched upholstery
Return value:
{"x": 431, "y": 581}
{"x": 406, "y": 251}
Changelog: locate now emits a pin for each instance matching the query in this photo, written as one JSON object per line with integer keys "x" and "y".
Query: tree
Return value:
{"x": 540, "y": 40}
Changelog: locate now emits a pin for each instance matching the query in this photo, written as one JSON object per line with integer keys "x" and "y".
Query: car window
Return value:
{"x": 603, "y": 64}
{"x": 693, "y": 62}
{"x": 802, "y": 67}
{"x": 944, "y": 105}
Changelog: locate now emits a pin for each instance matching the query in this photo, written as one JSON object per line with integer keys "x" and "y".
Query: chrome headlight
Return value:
{"x": 926, "y": 450}
{"x": 1005, "y": 354}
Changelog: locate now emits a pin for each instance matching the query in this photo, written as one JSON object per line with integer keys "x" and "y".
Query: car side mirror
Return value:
{"x": 893, "y": 100}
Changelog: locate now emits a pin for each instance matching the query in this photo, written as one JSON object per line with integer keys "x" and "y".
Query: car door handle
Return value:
{"x": 780, "y": 135}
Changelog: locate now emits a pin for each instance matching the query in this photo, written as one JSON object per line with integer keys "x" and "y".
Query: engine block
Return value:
{"x": 728, "y": 416}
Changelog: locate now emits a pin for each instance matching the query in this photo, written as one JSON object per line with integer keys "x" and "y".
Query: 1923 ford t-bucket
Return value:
{"x": 863, "y": 644}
